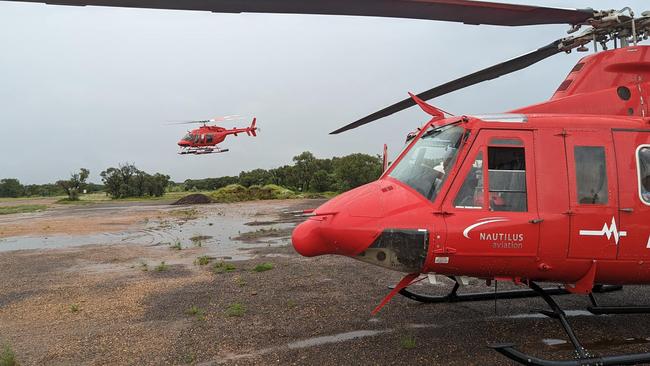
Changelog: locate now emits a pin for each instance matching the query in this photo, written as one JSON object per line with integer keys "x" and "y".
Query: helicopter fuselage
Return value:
{"x": 561, "y": 198}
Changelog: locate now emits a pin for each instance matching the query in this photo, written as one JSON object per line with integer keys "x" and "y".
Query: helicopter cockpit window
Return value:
{"x": 470, "y": 194}
{"x": 507, "y": 179}
{"x": 643, "y": 157}
{"x": 426, "y": 165}
{"x": 188, "y": 137}
{"x": 591, "y": 175}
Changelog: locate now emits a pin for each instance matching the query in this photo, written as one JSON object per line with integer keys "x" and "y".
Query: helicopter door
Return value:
{"x": 492, "y": 200}
{"x": 633, "y": 158}
{"x": 593, "y": 202}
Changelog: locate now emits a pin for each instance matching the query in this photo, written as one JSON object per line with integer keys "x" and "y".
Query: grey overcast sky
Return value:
{"x": 93, "y": 87}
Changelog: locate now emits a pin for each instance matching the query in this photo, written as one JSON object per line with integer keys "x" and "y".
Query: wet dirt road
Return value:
{"x": 108, "y": 304}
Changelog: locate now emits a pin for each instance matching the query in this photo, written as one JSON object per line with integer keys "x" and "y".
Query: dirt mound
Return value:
{"x": 194, "y": 199}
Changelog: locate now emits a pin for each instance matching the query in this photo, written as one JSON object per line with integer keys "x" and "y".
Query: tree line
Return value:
{"x": 306, "y": 174}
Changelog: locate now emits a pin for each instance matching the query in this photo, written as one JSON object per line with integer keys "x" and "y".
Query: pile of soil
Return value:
{"x": 194, "y": 199}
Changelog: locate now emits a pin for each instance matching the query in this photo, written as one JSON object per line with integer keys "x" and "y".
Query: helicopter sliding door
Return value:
{"x": 595, "y": 225}
{"x": 633, "y": 157}
{"x": 493, "y": 199}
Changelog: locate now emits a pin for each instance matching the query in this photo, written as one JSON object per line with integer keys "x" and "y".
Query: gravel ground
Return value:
{"x": 100, "y": 305}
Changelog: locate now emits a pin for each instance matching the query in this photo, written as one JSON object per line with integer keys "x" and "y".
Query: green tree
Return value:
{"x": 129, "y": 181}
{"x": 354, "y": 170}
{"x": 305, "y": 166}
{"x": 75, "y": 184}
{"x": 11, "y": 187}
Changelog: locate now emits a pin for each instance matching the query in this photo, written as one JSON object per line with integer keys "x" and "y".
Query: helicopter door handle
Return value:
{"x": 536, "y": 221}
{"x": 627, "y": 209}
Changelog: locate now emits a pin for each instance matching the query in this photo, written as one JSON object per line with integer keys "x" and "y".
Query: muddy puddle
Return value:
{"x": 221, "y": 234}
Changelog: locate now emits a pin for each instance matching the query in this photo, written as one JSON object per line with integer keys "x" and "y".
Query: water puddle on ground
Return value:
{"x": 542, "y": 316}
{"x": 337, "y": 338}
{"x": 602, "y": 344}
{"x": 216, "y": 232}
{"x": 553, "y": 341}
{"x": 305, "y": 343}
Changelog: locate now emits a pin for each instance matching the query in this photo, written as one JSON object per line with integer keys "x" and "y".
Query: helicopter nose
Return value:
{"x": 345, "y": 225}
{"x": 381, "y": 223}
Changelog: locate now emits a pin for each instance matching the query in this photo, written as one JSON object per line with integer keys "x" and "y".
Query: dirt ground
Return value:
{"x": 111, "y": 305}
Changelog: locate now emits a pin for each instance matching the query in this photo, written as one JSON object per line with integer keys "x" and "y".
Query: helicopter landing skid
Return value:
{"x": 454, "y": 296}
{"x": 582, "y": 356}
{"x": 202, "y": 150}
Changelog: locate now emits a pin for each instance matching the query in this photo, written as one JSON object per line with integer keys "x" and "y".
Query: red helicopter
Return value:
{"x": 204, "y": 139}
{"x": 554, "y": 192}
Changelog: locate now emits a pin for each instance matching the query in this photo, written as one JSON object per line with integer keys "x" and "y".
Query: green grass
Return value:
{"x": 223, "y": 267}
{"x": 176, "y": 246}
{"x": 203, "y": 260}
{"x": 8, "y": 357}
{"x": 162, "y": 267}
{"x": 263, "y": 267}
{"x": 185, "y": 214}
{"x": 408, "y": 342}
{"x": 75, "y": 308}
{"x": 236, "y": 310}
{"x": 198, "y": 240}
{"x": 196, "y": 312}
{"x": 144, "y": 267}
{"x": 9, "y": 210}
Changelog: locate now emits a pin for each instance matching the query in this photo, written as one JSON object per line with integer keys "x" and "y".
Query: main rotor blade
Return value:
{"x": 465, "y": 11}
{"x": 489, "y": 73}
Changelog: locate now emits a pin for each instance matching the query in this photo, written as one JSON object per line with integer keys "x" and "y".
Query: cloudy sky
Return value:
{"x": 94, "y": 87}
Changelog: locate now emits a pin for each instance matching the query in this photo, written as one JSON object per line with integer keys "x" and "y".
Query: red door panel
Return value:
{"x": 634, "y": 213}
{"x": 595, "y": 225}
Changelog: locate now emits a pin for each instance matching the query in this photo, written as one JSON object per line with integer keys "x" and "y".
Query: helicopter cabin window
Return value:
{"x": 426, "y": 165}
{"x": 470, "y": 194}
{"x": 507, "y": 178}
{"x": 643, "y": 160}
{"x": 591, "y": 175}
{"x": 208, "y": 139}
{"x": 188, "y": 137}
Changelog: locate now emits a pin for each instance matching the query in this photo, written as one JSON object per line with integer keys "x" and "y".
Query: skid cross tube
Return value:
{"x": 454, "y": 296}
{"x": 601, "y": 310}
{"x": 582, "y": 356}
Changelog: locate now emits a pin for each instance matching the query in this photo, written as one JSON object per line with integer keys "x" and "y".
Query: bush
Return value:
{"x": 231, "y": 193}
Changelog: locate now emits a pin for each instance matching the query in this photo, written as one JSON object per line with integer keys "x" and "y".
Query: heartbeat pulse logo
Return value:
{"x": 607, "y": 231}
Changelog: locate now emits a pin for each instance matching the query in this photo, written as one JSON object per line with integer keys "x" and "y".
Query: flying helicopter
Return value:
{"x": 558, "y": 191}
{"x": 204, "y": 140}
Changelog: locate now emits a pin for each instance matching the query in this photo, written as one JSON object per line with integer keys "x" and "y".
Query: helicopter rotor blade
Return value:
{"x": 233, "y": 117}
{"x": 465, "y": 11}
{"x": 489, "y": 73}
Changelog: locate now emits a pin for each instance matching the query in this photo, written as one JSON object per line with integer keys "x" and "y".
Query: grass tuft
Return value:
{"x": 236, "y": 310}
{"x": 196, "y": 312}
{"x": 263, "y": 267}
{"x": 203, "y": 260}
{"x": 176, "y": 246}
{"x": 75, "y": 308}
{"x": 408, "y": 342}
{"x": 223, "y": 267}
{"x": 8, "y": 357}
{"x": 161, "y": 267}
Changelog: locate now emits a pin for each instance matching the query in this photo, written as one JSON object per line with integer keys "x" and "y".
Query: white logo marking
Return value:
{"x": 607, "y": 231}
{"x": 485, "y": 221}
{"x": 648, "y": 246}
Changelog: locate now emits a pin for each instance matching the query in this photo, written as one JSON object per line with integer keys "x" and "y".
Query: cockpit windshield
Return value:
{"x": 188, "y": 137}
{"x": 426, "y": 165}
